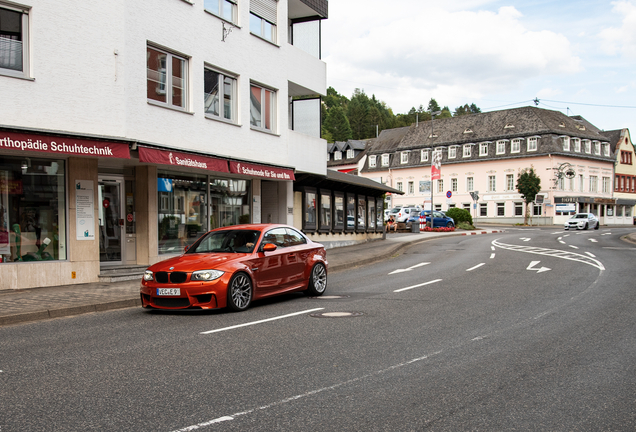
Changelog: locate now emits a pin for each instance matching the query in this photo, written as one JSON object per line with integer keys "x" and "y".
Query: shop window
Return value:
{"x": 537, "y": 209}
{"x": 371, "y": 213}
{"x": 379, "y": 211}
{"x": 309, "y": 209}
{"x": 361, "y": 223}
{"x": 32, "y": 209}
{"x": 351, "y": 212}
{"x": 325, "y": 210}
{"x": 338, "y": 211}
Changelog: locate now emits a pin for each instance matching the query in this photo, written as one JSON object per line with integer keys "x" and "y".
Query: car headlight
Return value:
{"x": 148, "y": 275}
{"x": 206, "y": 275}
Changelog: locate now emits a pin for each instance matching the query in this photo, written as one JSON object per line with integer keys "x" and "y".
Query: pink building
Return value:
{"x": 482, "y": 156}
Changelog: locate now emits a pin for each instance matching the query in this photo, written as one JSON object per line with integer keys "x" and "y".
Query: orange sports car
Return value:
{"x": 235, "y": 265}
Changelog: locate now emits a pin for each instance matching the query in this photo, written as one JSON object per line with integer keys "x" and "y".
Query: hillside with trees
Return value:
{"x": 361, "y": 116}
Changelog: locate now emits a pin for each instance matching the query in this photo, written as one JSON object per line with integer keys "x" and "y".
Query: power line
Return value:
{"x": 588, "y": 104}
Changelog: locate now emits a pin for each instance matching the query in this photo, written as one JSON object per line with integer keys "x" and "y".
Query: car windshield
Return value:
{"x": 580, "y": 216}
{"x": 230, "y": 241}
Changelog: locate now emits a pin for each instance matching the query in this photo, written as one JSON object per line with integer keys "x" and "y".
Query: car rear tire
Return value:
{"x": 317, "y": 281}
{"x": 597, "y": 224}
{"x": 449, "y": 225}
{"x": 239, "y": 292}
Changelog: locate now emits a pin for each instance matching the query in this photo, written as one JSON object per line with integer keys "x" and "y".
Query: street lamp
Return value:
{"x": 433, "y": 114}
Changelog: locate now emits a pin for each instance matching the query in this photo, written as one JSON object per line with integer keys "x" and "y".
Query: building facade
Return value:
{"x": 121, "y": 141}
{"x": 482, "y": 156}
{"x": 624, "y": 177}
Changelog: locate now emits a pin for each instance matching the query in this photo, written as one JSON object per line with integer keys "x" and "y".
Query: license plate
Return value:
{"x": 168, "y": 291}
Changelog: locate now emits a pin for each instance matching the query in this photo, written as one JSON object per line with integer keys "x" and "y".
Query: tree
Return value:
{"x": 467, "y": 109}
{"x": 528, "y": 185}
{"x": 433, "y": 106}
{"x": 336, "y": 125}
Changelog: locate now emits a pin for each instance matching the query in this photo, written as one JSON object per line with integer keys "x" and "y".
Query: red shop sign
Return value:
{"x": 187, "y": 160}
{"x": 29, "y": 142}
{"x": 254, "y": 170}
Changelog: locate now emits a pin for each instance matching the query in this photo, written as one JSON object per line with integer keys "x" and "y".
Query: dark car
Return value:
{"x": 234, "y": 265}
{"x": 439, "y": 219}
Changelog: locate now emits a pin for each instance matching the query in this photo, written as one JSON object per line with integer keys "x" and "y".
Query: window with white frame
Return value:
{"x": 263, "y": 14}
{"x": 440, "y": 185}
{"x": 518, "y": 209}
{"x": 501, "y": 147}
{"x": 587, "y": 144}
{"x": 515, "y": 145}
{"x": 404, "y": 157}
{"x": 593, "y": 184}
{"x": 492, "y": 183}
{"x": 470, "y": 184}
{"x": 454, "y": 184}
{"x": 337, "y": 155}
{"x": 167, "y": 77}
{"x": 467, "y": 148}
{"x": 452, "y": 152}
{"x": 385, "y": 160}
{"x": 597, "y": 148}
{"x": 606, "y": 149}
{"x": 225, "y": 9}
{"x": 576, "y": 143}
{"x": 565, "y": 142}
{"x": 483, "y": 149}
{"x": 561, "y": 183}
{"x": 263, "y": 108}
{"x": 220, "y": 95}
{"x": 501, "y": 209}
{"x": 581, "y": 183}
{"x": 571, "y": 184}
{"x": 483, "y": 209}
{"x": 424, "y": 156}
{"x": 606, "y": 185}
{"x": 411, "y": 188}
{"x": 510, "y": 182}
{"x": 14, "y": 43}
{"x": 532, "y": 143}
{"x": 350, "y": 154}
{"x": 399, "y": 186}
{"x": 372, "y": 161}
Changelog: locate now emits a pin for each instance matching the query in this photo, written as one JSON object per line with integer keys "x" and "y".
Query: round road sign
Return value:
{"x": 449, "y": 194}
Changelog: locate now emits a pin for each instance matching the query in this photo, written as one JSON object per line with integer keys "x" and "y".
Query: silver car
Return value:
{"x": 582, "y": 221}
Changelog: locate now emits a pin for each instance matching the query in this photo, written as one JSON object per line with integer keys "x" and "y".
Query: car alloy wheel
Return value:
{"x": 317, "y": 281}
{"x": 239, "y": 293}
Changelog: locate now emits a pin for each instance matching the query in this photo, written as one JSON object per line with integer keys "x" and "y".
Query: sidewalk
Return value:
{"x": 18, "y": 306}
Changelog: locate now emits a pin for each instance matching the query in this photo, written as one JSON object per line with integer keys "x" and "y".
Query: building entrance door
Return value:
{"x": 111, "y": 219}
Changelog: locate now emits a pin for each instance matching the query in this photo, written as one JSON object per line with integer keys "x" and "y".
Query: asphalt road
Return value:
{"x": 525, "y": 330}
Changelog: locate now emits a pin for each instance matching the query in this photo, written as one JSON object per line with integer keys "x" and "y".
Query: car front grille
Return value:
{"x": 174, "y": 277}
{"x": 172, "y": 302}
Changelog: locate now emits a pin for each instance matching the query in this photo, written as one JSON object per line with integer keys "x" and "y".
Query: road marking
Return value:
{"x": 607, "y": 234}
{"x": 525, "y": 238}
{"x": 477, "y": 266}
{"x": 539, "y": 270}
{"x": 618, "y": 248}
{"x": 574, "y": 247}
{"x": 561, "y": 241}
{"x": 567, "y": 235}
{"x": 492, "y": 248}
{"x": 418, "y": 285}
{"x": 260, "y": 322}
{"x": 410, "y": 268}
{"x": 593, "y": 240}
{"x": 560, "y": 238}
{"x": 309, "y": 393}
{"x": 492, "y": 256}
{"x": 591, "y": 254}
{"x": 571, "y": 256}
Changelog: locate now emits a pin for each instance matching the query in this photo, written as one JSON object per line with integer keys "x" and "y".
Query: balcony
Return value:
{"x": 304, "y": 22}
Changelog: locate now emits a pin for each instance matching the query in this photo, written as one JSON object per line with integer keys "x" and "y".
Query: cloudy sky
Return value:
{"x": 571, "y": 54}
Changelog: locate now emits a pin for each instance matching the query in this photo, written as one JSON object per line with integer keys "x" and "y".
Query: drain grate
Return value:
{"x": 336, "y": 314}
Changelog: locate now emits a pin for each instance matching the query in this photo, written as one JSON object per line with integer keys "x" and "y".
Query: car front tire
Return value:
{"x": 597, "y": 225}
{"x": 239, "y": 292}
{"x": 449, "y": 225}
{"x": 317, "y": 280}
{"x": 586, "y": 226}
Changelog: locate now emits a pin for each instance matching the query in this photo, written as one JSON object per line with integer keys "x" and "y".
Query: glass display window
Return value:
{"x": 351, "y": 212}
{"x": 229, "y": 201}
{"x": 32, "y": 209}
{"x": 325, "y": 210}
{"x": 338, "y": 211}
{"x": 309, "y": 209}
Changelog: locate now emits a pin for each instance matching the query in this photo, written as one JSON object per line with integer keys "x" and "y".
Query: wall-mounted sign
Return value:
{"x": 262, "y": 171}
{"x": 84, "y": 210}
{"x": 29, "y": 142}
{"x": 185, "y": 160}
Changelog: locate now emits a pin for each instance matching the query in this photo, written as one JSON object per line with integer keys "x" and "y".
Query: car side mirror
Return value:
{"x": 185, "y": 249}
{"x": 269, "y": 247}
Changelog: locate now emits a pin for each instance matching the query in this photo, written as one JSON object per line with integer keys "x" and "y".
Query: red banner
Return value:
{"x": 29, "y": 142}
{"x": 436, "y": 166}
{"x": 165, "y": 157}
{"x": 262, "y": 171}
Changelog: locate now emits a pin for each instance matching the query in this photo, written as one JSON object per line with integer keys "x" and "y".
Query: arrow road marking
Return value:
{"x": 525, "y": 238}
{"x": 540, "y": 270}
{"x": 593, "y": 240}
{"x": 410, "y": 268}
{"x": 572, "y": 256}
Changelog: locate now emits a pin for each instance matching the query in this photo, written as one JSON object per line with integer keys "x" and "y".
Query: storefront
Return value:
{"x": 73, "y": 206}
{"x": 603, "y": 208}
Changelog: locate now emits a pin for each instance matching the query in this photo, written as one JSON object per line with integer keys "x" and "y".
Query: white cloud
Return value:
{"x": 621, "y": 40}
{"x": 423, "y": 49}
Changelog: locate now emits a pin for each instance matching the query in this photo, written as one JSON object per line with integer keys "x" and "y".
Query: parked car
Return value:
{"x": 232, "y": 266}
{"x": 439, "y": 219}
{"x": 404, "y": 213}
{"x": 582, "y": 221}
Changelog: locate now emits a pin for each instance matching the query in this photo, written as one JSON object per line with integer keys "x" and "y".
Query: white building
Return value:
{"x": 127, "y": 128}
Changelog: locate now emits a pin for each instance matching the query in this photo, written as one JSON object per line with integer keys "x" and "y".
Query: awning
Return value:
{"x": 338, "y": 181}
{"x": 261, "y": 171}
{"x": 187, "y": 160}
{"x": 347, "y": 170}
{"x": 625, "y": 202}
{"x": 33, "y": 142}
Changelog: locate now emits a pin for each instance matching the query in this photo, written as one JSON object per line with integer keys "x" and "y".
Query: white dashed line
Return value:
{"x": 260, "y": 322}
{"x": 574, "y": 247}
{"x": 492, "y": 256}
{"x": 418, "y": 285}
{"x": 477, "y": 266}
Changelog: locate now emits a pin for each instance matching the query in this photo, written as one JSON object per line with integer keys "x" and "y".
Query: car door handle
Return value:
{"x": 255, "y": 269}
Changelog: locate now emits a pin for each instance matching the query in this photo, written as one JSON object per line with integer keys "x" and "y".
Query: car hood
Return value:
{"x": 197, "y": 261}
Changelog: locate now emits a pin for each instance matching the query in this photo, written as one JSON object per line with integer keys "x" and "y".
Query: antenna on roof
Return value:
{"x": 536, "y": 101}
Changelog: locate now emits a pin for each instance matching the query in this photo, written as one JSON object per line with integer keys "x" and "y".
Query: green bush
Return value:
{"x": 464, "y": 226}
{"x": 459, "y": 215}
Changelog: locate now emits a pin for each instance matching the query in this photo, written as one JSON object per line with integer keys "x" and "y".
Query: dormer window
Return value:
{"x": 577, "y": 144}
{"x": 532, "y": 143}
{"x": 597, "y": 148}
{"x": 587, "y": 144}
{"x": 565, "y": 141}
{"x": 509, "y": 126}
{"x": 372, "y": 161}
{"x": 350, "y": 154}
{"x": 385, "y": 160}
{"x": 467, "y": 148}
{"x": 424, "y": 156}
{"x": 452, "y": 152}
{"x": 483, "y": 149}
{"x": 468, "y": 131}
{"x": 606, "y": 149}
{"x": 562, "y": 124}
{"x": 501, "y": 147}
{"x": 580, "y": 126}
{"x": 515, "y": 145}
{"x": 337, "y": 155}
{"x": 404, "y": 157}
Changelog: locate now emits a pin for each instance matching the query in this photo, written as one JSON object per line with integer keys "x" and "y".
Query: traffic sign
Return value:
{"x": 449, "y": 194}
